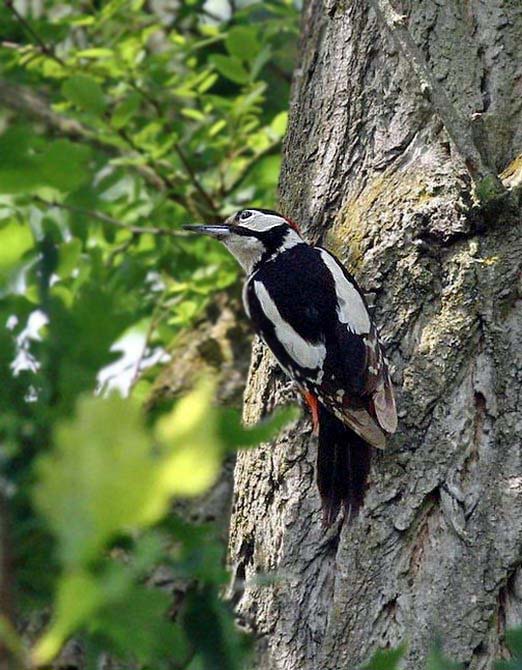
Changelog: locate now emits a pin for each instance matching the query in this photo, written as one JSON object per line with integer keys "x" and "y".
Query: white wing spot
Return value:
{"x": 351, "y": 309}
{"x": 304, "y": 353}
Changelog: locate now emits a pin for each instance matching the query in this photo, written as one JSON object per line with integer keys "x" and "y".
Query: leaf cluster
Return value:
{"x": 120, "y": 122}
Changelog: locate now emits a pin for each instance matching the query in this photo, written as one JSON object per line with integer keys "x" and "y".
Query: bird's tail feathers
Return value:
{"x": 343, "y": 465}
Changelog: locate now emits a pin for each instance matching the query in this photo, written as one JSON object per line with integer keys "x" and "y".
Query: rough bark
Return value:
{"x": 371, "y": 172}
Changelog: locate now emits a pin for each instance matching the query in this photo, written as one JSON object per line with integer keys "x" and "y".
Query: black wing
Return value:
{"x": 313, "y": 316}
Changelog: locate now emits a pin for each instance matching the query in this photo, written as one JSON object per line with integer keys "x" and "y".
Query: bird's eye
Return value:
{"x": 245, "y": 214}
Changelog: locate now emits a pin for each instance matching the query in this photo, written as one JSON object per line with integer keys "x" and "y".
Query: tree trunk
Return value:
{"x": 388, "y": 116}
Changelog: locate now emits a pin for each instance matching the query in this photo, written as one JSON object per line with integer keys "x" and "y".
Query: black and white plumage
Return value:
{"x": 313, "y": 316}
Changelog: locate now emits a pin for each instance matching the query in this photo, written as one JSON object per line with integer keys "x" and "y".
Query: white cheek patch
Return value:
{"x": 247, "y": 250}
{"x": 351, "y": 309}
{"x": 302, "y": 352}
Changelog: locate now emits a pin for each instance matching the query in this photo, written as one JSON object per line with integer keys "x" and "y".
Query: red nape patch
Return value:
{"x": 292, "y": 224}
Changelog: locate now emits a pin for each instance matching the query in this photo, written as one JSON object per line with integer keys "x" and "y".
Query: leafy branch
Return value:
{"x": 207, "y": 198}
{"x": 43, "y": 47}
{"x": 152, "y": 172}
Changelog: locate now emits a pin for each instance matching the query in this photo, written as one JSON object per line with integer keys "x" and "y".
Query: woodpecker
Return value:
{"x": 311, "y": 313}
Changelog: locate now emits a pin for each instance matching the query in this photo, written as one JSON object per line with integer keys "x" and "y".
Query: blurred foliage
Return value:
{"x": 390, "y": 659}
{"x": 119, "y": 122}
{"x": 386, "y": 659}
{"x": 514, "y": 643}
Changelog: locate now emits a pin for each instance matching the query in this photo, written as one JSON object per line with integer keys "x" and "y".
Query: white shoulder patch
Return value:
{"x": 291, "y": 240}
{"x": 351, "y": 309}
{"x": 304, "y": 353}
{"x": 244, "y": 295}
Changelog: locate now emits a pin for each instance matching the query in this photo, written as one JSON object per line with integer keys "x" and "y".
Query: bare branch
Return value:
{"x": 105, "y": 218}
{"x": 197, "y": 184}
{"x": 157, "y": 316}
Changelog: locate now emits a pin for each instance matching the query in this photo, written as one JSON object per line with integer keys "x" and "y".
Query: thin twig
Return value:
{"x": 105, "y": 218}
{"x": 178, "y": 149}
{"x": 120, "y": 249}
{"x": 188, "y": 168}
{"x": 243, "y": 174}
{"x": 211, "y": 15}
{"x": 167, "y": 183}
{"x": 45, "y": 48}
{"x": 157, "y": 316}
{"x": 456, "y": 125}
{"x": 22, "y": 99}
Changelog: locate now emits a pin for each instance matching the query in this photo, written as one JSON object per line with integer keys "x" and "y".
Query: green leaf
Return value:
{"x": 234, "y": 434}
{"x": 217, "y": 127}
{"x": 80, "y": 338}
{"x": 194, "y": 114}
{"x": 84, "y": 92}
{"x": 231, "y": 68}
{"x": 125, "y": 110}
{"x": 79, "y": 595}
{"x": 192, "y": 452}
{"x": 386, "y": 659}
{"x": 63, "y": 165}
{"x": 279, "y": 124}
{"x": 99, "y": 479}
{"x": 438, "y": 661}
{"x": 141, "y": 630}
{"x": 514, "y": 643}
{"x": 95, "y": 52}
{"x": 15, "y": 240}
{"x": 29, "y": 163}
{"x": 260, "y": 61}
{"x": 212, "y": 633}
{"x": 69, "y": 254}
{"x": 242, "y": 43}
{"x": 100, "y": 603}
{"x": 106, "y": 472}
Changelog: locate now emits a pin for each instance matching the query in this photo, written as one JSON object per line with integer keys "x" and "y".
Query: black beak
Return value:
{"x": 217, "y": 230}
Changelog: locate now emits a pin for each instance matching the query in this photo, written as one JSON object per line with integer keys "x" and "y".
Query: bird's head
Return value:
{"x": 253, "y": 235}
